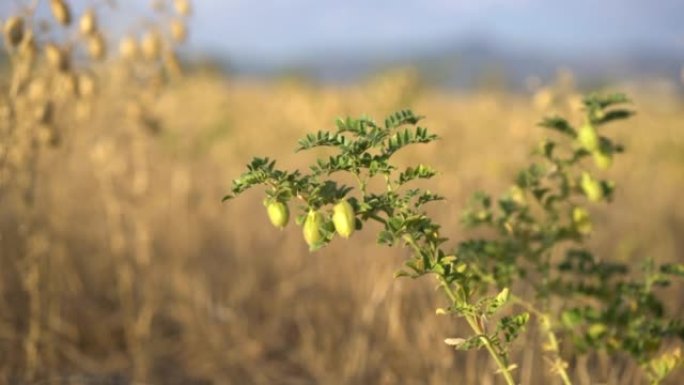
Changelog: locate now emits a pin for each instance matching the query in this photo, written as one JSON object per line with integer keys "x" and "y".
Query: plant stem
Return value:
{"x": 559, "y": 364}
{"x": 545, "y": 323}
{"x": 500, "y": 361}
{"x": 362, "y": 183}
{"x": 472, "y": 321}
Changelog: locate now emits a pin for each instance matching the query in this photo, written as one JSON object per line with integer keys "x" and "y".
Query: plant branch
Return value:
{"x": 474, "y": 324}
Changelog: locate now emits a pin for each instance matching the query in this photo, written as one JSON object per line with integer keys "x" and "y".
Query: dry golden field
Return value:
{"x": 120, "y": 264}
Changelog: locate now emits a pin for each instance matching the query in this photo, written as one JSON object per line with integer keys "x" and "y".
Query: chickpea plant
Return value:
{"x": 533, "y": 266}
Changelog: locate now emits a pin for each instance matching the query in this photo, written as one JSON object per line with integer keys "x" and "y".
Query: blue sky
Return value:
{"x": 283, "y": 29}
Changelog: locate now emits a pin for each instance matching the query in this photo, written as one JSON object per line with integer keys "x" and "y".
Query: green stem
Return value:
{"x": 472, "y": 321}
{"x": 377, "y": 218}
{"x": 362, "y": 183}
{"x": 558, "y": 364}
{"x": 474, "y": 324}
{"x": 388, "y": 181}
{"x": 545, "y": 322}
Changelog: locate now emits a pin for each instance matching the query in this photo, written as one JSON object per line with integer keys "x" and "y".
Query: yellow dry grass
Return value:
{"x": 145, "y": 275}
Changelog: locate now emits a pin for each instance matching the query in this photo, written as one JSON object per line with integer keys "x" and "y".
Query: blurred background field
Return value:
{"x": 119, "y": 263}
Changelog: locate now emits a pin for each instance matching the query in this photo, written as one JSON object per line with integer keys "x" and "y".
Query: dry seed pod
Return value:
{"x": 56, "y": 58}
{"x": 66, "y": 86}
{"x": 97, "y": 48}
{"x": 88, "y": 23}
{"x": 151, "y": 46}
{"x": 83, "y": 110}
{"x": 128, "y": 48}
{"x": 179, "y": 32}
{"x": 182, "y": 7}
{"x": 55, "y": 139}
{"x": 172, "y": 64}
{"x": 86, "y": 85}
{"x": 61, "y": 11}
{"x": 14, "y": 31}
{"x": 37, "y": 90}
{"x": 43, "y": 113}
{"x": 28, "y": 48}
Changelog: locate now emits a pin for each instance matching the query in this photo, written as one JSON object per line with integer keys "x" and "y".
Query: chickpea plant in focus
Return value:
{"x": 535, "y": 268}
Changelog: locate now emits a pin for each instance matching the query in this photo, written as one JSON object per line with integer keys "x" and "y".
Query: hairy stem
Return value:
{"x": 558, "y": 364}
{"x": 472, "y": 321}
{"x": 474, "y": 324}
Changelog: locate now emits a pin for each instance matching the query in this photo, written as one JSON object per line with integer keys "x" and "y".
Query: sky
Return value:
{"x": 284, "y": 29}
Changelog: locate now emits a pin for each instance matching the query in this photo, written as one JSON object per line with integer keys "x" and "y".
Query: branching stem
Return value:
{"x": 558, "y": 363}
{"x": 471, "y": 319}
{"x": 475, "y": 325}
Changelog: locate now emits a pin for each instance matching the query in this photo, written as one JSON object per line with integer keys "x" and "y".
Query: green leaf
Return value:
{"x": 407, "y": 137}
{"x": 404, "y": 273}
{"x": 512, "y": 326}
{"x": 660, "y": 367}
{"x": 597, "y": 330}
{"x": 559, "y": 124}
{"x": 474, "y": 342}
{"x": 320, "y": 139}
{"x": 503, "y": 296}
{"x": 419, "y": 172}
{"x": 676, "y": 269}
{"x": 401, "y": 118}
{"x": 571, "y": 318}
{"x": 595, "y": 101}
{"x": 490, "y": 305}
{"x": 613, "y": 115}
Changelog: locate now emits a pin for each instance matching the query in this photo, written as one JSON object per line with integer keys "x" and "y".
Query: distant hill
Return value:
{"x": 462, "y": 65}
{"x": 468, "y": 64}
